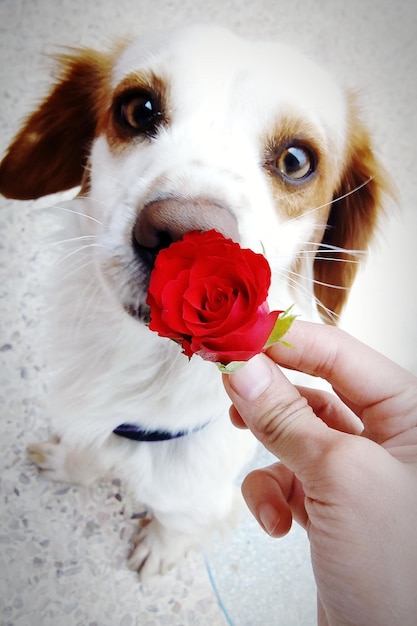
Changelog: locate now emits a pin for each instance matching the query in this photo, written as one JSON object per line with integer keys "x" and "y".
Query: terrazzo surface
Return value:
{"x": 62, "y": 548}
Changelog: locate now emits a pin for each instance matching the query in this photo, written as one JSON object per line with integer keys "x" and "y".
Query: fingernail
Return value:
{"x": 269, "y": 518}
{"x": 251, "y": 380}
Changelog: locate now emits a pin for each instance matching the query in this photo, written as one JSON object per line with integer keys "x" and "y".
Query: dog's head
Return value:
{"x": 198, "y": 130}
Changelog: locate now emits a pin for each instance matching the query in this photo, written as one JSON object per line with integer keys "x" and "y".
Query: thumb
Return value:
{"x": 278, "y": 415}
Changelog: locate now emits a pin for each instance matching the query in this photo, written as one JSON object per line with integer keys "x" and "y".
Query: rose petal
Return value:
{"x": 207, "y": 300}
{"x": 221, "y": 325}
{"x": 167, "y": 317}
{"x": 246, "y": 343}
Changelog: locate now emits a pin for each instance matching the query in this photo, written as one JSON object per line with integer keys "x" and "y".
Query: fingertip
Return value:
{"x": 269, "y": 518}
{"x": 253, "y": 379}
{"x": 267, "y": 503}
{"x": 236, "y": 418}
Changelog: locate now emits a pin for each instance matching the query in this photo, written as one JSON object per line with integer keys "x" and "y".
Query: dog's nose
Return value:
{"x": 163, "y": 221}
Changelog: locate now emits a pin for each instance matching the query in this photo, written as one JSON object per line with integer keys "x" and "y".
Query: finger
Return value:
{"x": 235, "y": 418}
{"x": 277, "y": 415}
{"x": 325, "y": 405}
{"x": 380, "y": 392}
{"x": 275, "y": 497}
{"x": 331, "y": 410}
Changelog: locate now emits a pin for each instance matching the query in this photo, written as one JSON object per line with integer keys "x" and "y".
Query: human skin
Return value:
{"x": 347, "y": 470}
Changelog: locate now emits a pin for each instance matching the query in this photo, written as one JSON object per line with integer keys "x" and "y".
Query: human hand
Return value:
{"x": 351, "y": 484}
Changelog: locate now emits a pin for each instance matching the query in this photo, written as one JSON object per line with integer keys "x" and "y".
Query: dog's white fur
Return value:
{"x": 229, "y": 106}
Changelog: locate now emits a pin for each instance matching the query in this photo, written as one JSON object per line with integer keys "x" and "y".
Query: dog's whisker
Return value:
{"x": 58, "y": 242}
{"x": 323, "y": 257}
{"x": 323, "y": 247}
{"x": 305, "y": 292}
{"x": 354, "y": 190}
{"x": 76, "y": 269}
{"x": 334, "y": 259}
{"x": 79, "y": 213}
{"x": 311, "y": 254}
{"x": 314, "y": 281}
{"x": 74, "y": 264}
{"x": 332, "y": 201}
{"x": 78, "y": 251}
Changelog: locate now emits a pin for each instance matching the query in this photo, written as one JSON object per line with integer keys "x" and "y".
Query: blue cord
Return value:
{"x": 219, "y": 600}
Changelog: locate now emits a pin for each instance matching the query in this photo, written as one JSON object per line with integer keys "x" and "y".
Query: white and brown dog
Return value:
{"x": 190, "y": 130}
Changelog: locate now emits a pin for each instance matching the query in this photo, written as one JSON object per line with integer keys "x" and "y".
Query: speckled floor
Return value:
{"x": 63, "y": 549}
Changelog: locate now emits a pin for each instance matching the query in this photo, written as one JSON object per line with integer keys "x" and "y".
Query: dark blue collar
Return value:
{"x": 131, "y": 431}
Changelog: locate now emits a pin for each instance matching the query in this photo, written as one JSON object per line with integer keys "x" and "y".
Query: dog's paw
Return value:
{"x": 158, "y": 550}
{"x": 62, "y": 462}
{"x": 50, "y": 457}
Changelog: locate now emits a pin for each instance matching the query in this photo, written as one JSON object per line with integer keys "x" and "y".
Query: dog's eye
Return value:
{"x": 138, "y": 112}
{"x": 295, "y": 163}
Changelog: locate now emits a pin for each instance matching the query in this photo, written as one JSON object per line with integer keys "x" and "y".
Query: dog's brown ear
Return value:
{"x": 50, "y": 152}
{"x": 352, "y": 221}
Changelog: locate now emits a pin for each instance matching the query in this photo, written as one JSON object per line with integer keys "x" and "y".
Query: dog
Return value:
{"x": 194, "y": 129}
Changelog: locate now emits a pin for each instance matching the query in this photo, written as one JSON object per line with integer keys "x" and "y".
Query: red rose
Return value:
{"x": 209, "y": 294}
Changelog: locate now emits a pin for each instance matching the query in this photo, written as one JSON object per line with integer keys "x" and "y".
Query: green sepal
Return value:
{"x": 282, "y": 326}
{"x": 286, "y": 344}
{"x": 231, "y": 367}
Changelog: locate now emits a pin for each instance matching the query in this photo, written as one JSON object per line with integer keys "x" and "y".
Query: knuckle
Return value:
{"x": 278, "y": 426}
